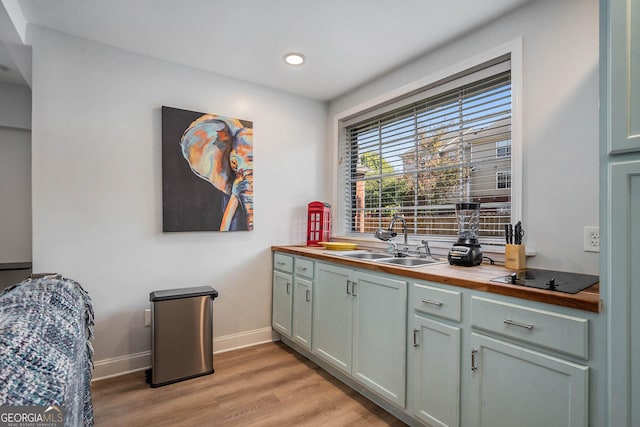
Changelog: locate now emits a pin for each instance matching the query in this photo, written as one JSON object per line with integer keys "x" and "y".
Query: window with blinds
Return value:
{"x": 449, "y": 143}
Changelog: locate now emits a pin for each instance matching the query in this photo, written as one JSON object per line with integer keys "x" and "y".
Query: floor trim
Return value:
{"x": 115, "y": 366}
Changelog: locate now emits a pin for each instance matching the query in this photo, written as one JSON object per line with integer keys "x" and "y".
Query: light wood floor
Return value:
{"x": 265, "y": 385}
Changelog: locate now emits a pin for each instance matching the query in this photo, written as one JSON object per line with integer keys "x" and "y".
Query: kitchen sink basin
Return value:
{"x": 410, "y": 262}
{"x": 367, "y": 255}
{"x": 382, "y": 258}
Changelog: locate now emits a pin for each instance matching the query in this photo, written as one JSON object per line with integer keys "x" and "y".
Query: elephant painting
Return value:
{"x": 219, "y": 151}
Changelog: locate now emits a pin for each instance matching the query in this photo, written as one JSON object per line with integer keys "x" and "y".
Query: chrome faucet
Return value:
{"x": 388, "y": 234}
{"x": 404, "y": 227}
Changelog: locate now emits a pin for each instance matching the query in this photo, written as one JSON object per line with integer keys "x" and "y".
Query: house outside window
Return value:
{"x": 424, "y": 156}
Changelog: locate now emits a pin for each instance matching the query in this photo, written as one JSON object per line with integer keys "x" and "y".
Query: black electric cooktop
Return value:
{"x": 560, "y": 281}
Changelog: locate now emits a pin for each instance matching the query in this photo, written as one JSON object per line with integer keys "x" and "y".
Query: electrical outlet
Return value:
{"x": 147, "y": 317}
{"x": 591, "y": 238}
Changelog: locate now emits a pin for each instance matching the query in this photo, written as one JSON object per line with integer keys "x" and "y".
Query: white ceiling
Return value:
{"x": 346, "y": 42}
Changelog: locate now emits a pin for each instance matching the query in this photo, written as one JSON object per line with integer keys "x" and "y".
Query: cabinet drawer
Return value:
{"x": 556, "y": 331}
{"x": 436, "y": 301}
{"x": 283, "y": 262}
{"x": 304, "y": 268}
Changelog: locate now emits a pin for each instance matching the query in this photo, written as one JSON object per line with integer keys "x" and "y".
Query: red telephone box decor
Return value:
{"x": 318, "y": 223}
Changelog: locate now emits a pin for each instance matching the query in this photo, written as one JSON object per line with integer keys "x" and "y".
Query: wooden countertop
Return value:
{"x": 478, "y": 278}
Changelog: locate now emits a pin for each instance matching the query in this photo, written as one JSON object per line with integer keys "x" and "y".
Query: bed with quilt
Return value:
{"x": 46, "y": 362}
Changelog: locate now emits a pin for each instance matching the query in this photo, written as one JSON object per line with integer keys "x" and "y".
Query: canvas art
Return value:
{"x": 207, "y": 172}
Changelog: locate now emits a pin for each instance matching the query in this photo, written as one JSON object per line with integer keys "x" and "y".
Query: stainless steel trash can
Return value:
{"x": 181, "y": 334}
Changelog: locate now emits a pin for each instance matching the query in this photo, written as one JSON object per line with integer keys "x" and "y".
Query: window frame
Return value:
{"x": 379, "y": 104}
{"x": 506, "y": 179}
{"x": 505, "y": 147}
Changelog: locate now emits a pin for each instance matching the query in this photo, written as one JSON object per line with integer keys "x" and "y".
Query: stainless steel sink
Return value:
{"x": 390, "y": 259}
{"x": 410, "y": 262}
{"x": 367, "y": 255}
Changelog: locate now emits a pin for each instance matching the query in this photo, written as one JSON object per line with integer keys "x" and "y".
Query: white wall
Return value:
{"x": 560, "y": 115}
{"x": 97, "y": 195}
{"x": 15, "y": 173}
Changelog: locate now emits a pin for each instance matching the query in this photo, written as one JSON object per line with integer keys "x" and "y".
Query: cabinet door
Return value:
{"x": 302, "y": 293}
{"x": 623, "y": 82}
{"x": 332, "y": 315}
{"x": 434, "y": 372}
{"x": 379, "y": 341}
{"x": 515, "y": 386}
{"x": 622, "y": 252}
{"x": 282, "y": 300}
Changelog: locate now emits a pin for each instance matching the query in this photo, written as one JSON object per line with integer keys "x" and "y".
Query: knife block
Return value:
{"x": 514, "y": 257}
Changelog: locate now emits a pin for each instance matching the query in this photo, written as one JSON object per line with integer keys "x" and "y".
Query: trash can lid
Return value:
{"x": 198, "y": 291}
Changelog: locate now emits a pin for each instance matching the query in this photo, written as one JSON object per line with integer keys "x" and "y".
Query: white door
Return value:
{"x": 379, "y": 337}
{"x": 620, "y": 200}
{"x": 514, "y": 386}
{"x": 434, "y": 372}
{"x": 282, "y": 299}
{"x": 302, "y": 311}
{"x": 332, "y": 315}
{"x": 624, "y": 292}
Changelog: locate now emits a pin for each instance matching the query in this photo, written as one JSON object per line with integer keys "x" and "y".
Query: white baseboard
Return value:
{"x": 107, "y": 368}
{"x": 115, "y": 366}
{"x": 244, "y": 339}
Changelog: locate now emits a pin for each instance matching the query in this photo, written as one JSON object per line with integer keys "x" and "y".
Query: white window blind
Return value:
{"x": 449, "y": 143}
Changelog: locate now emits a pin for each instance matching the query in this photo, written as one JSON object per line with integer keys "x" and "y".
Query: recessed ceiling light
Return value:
{"x": 293, "y": 58}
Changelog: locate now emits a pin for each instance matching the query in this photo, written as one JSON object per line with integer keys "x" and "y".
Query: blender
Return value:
{"x": 466, "y": 251}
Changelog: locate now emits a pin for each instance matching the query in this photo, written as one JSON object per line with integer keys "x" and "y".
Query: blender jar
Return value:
{"x": 468, "y": 215}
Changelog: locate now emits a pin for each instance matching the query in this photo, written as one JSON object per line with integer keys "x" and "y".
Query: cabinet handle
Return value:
{"x": 432, "y": 302}
{"x": 280, "y": 263}
{"x": 522, "y": 325}
{"x": 288, "y": 287}
{"x": 308, "y": 295}
{"x": 301, "y": 268}
{"x": 353, "y": 288}
{"x": 473, "y": 360}
{"x": 415, "y": 338}
{"x": 348, "y": 290}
